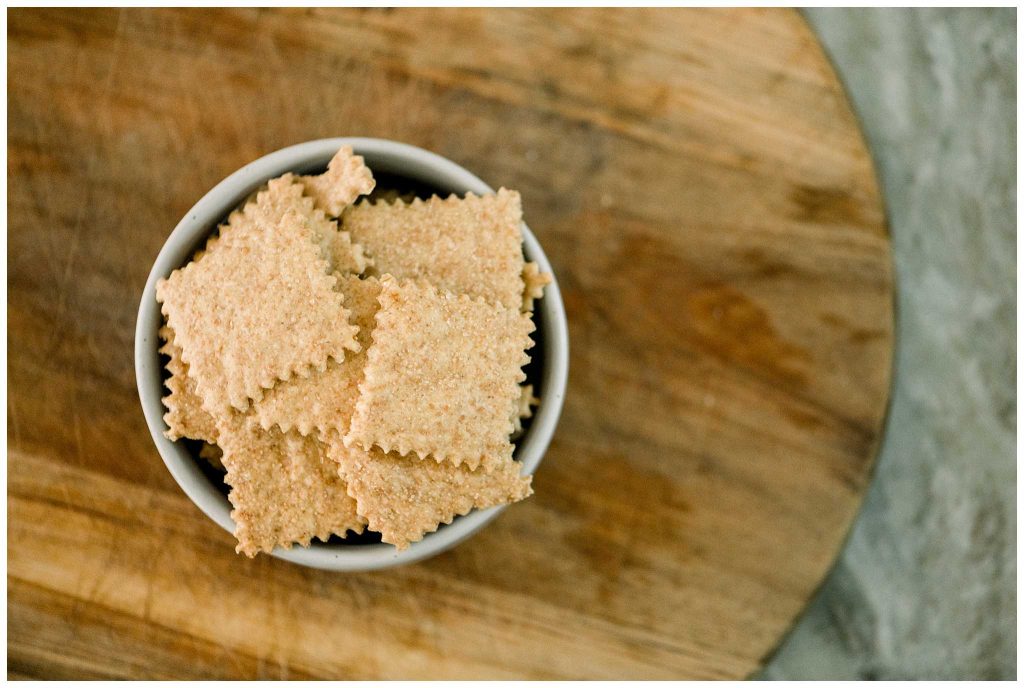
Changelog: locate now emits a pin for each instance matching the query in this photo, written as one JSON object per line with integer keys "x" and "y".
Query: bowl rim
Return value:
{"x": 381, "y": 155}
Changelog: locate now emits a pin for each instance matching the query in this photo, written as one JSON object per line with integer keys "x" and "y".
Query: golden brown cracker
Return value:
{"x": 281, "y": 488}
{"x": 239, "y": 216}
{"x": 185, "y": 415}
{"x": 212, "y": 454}
{"x": 281, "y": 196}
{"x": 265, "y": 513}
{"x": 390, "y": 196}
{"x": 405, "y": 497}
{"x": 260, "y": 308}
{"x": 466, "y": 246}
{"x": 317, "y": 484}
{"x": 346, "y": 256}
{"x": 347, "y": 177}
{"x": 534, "y": 282}
{"x": 523, "y": 408}
{"x": 441, "y": 376}
{"x": 325, "y": 400}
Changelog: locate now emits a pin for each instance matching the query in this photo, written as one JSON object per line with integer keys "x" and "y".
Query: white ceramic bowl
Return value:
{"x": 548, "y": 371}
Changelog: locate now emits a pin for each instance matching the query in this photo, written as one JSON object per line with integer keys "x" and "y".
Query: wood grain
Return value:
{"x": 703, "y": 191}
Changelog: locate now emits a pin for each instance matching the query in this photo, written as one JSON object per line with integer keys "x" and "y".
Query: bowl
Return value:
{"x": 395, "y": 165}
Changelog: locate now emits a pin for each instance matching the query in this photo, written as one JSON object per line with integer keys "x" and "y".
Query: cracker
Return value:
{"x": 347, "y": 177}
{"x": 534, "y": 282}
{"x": 212, "y": 454}
{"x": 260, "y": 308}
{"x": 390, "y": 196}
{"x": 285, "y": 194}
{"x": 441, "y": 376}
{"x": 346, "y": 256}
{"x": 325, "y": 401}
{"x": 405, "y": 497}
{"x": 523, "y": 408}
{"x": 251, "y": 198}
{"x": 284, "y": 489}
{"x": 466, "y": 246}
{"x": 237, "y": 213}
{"x": 317, "y": 484}
{"x": 185, "y": 415}
{"x": 198, "y": 255}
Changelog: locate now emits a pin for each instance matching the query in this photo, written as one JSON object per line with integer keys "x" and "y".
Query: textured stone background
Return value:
{"x": 926, "y": 586}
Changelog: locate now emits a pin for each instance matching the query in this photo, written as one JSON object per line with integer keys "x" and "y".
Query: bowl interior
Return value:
{"x": 396, "y": 167}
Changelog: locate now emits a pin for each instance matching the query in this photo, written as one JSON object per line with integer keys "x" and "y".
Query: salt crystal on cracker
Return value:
{"x": 284, "y": 489}
{"x": 534, "y": 282}
{"x": 441, "y": 376}
{"x": 466, "y": 246}
{"x": 260, "y": 308}
{"x": 325, "y": 401}
{"x": 405, "y": 497}
{"x": 185, "y": 415}
{"x": 347, "y": 177}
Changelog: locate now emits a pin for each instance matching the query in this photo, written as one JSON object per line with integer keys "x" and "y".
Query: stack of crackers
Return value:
{"x": 352, "y": 365}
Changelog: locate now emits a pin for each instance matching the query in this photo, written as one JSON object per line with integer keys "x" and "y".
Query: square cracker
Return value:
{"x": 317, "y": 484}
{"x": 523, "y": 408}
{"x": 347, "y": 177}
{"x": 185, "y": 415}
{"x": 284, "y": 488}
{"x": 258, "y": 309}
{"x": 405, "y": 497}
{"x": 466, "y": 246}
{"x": 271, "y": 204}
{"x": 442, "y": 375}
{"x": 534, "y": 282}
{"x": 325, "y": 401}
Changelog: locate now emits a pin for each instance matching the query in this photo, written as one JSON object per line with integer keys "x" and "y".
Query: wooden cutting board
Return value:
{"x": 704, "y": 193}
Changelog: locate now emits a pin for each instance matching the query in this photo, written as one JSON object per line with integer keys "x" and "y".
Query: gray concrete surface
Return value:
{"x": 926, "y": 586}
